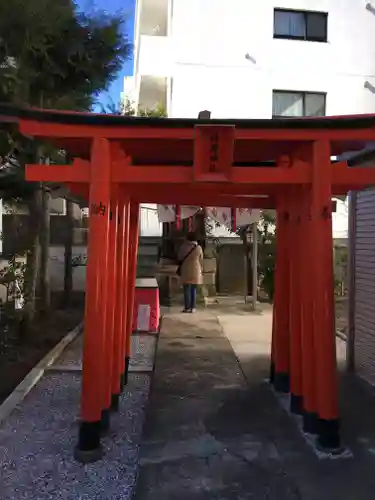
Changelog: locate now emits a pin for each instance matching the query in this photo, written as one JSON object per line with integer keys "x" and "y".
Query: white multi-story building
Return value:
{"x": 248, "y": 59}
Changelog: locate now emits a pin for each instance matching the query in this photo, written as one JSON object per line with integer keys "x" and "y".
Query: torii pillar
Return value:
{"x": 132, "y": 273}
{"x": 89, "y": 447}
{"x": 323, "y": 296}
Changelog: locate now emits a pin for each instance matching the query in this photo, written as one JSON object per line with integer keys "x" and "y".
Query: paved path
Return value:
{"x": 204, "y": 436}
{"x": 215, "y": 430}
{"x": 37, "y": 440}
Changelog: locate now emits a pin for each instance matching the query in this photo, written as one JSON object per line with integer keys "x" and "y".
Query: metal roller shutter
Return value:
{"x": 364, "y": 279}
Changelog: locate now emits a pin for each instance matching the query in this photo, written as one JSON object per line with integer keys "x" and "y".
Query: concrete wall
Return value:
{"x": 231, "y": 276}
{"x": 15, "y": 240}
{"x": 147, "y": 260}
{"x": 16, "y": 232}
{"x": 56, "y": 268}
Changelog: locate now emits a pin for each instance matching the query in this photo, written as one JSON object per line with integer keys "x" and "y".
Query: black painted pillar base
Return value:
{"x": 105, "y": 421}
{"x": 296, "y": 404}
{"x": 282, "y": 382}
{"x": 272, "y": 372}
{"x": 329, "y": 435}
{"x": 115, "y": 402}
{"x": 122, "y": 382}
{"x": 126, "y": 373}
{"x": 310, "y": 422}
{"x": 89, "y": 448}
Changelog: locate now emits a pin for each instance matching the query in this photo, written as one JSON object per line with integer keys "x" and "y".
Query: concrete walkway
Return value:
{"x": 215, "y": 429}
{"x": 204, "y": 437}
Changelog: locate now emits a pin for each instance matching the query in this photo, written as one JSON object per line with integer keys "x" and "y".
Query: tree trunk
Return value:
{"x": 44, "y": 238}
{"x": 68, "y": 254}
{"x": 32, "y": 260}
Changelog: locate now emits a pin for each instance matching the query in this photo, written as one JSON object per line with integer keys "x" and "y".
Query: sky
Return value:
{"x": 128, "y": 8}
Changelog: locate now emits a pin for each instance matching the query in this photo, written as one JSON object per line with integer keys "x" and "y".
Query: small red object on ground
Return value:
{"x": 146, "y": 311}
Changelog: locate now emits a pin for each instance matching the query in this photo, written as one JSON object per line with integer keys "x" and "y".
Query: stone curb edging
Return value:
{"x": 34, "y": 375}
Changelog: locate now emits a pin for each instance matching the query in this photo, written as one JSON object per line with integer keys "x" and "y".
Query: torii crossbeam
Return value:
{"x": 283, "y": 164}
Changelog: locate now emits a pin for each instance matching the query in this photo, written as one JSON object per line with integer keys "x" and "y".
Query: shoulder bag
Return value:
{"x": 178, "y": 272}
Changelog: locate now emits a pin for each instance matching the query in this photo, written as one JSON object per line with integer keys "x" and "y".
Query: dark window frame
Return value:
{"x": 304, "y": 93}
{"x": 306, "y": 14}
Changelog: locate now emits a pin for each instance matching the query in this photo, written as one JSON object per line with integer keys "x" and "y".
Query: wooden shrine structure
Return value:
{"x": 282, "y": 163}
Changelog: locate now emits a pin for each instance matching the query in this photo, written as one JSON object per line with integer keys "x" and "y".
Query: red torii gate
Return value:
{"x": 121, "y": 161}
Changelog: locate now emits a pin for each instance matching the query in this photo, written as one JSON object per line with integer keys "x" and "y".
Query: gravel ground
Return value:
{"x": 142, "y": 353}
{"x": 37, "y": 441}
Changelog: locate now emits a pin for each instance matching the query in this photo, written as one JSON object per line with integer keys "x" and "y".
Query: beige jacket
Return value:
{"x": 192, "y": 268}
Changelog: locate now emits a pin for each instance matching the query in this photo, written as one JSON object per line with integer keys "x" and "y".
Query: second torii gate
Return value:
{"x": 121, "y": 161}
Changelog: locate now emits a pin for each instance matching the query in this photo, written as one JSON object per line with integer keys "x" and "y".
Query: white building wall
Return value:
{"x": 340, "y": 220}
{"x": 225, "y": 58}
{"x": 222, "y": 56}
{"x": 149, "y": 221}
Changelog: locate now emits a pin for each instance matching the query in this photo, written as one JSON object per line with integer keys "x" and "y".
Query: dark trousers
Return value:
{"x": 190, "y": 296}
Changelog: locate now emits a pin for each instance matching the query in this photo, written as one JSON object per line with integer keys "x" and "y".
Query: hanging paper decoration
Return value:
{"x": 188, "y": 211}
{"x": 222, "y": 215}
{"x": 228, "y": 217}
{"x": 166, "y": 213}
{"x": 246, "y": 216}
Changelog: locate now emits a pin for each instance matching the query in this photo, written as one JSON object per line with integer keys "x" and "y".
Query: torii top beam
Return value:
{"x": 154, "y": 152}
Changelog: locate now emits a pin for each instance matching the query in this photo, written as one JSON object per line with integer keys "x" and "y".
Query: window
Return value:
{"x": 300, "y": 25}
{"x": 294, "y": 104}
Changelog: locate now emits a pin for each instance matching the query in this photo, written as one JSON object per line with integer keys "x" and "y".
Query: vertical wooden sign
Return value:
{"x": 213, "y": 153}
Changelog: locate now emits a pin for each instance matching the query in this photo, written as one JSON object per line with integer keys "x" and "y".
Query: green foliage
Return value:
{"x": 156, "y": 111}
{"x": 266, "y": 266}
{"x": 127, "y": 107}
{"x": 266, "y": 250}
{"x": 12, "y": 276}
{"x": 341, "y": 269}
{"x": 266, "y": 247}
{"x": 51, "y": 56}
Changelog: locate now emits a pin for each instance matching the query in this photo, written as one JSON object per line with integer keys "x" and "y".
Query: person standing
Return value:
{"x": 190, "y": 257}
